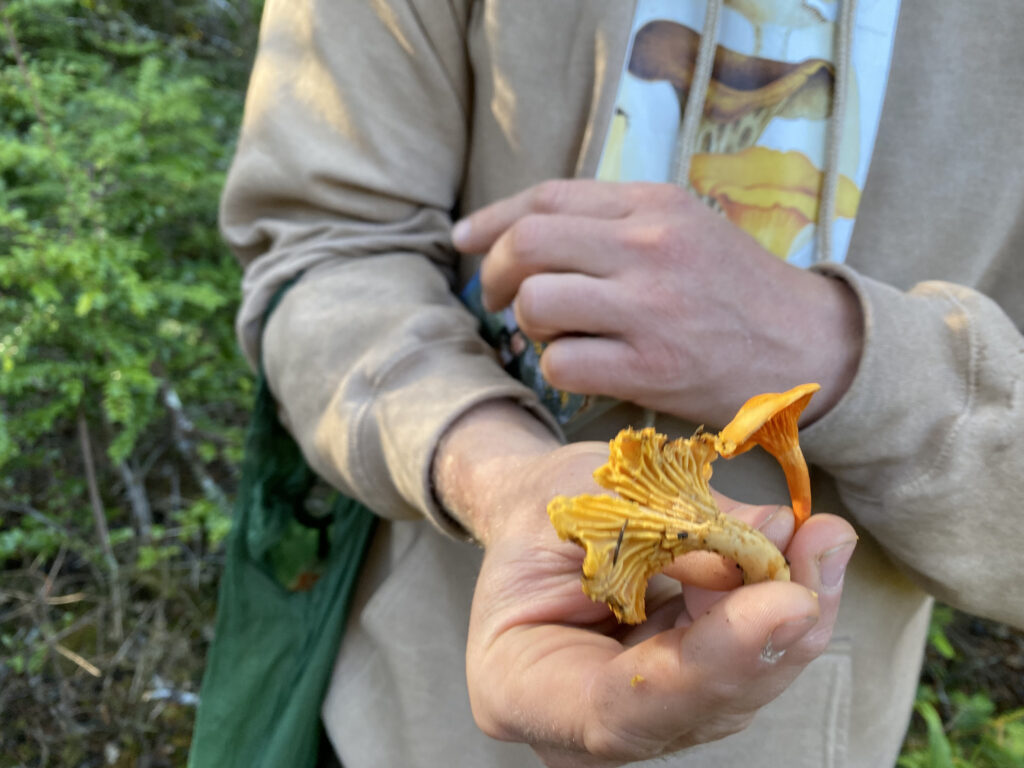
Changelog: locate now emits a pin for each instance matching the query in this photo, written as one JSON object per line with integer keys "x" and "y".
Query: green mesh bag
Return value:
{"x": 284, "y": 597}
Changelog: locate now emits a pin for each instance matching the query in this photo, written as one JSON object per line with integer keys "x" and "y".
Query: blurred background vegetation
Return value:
{"x": 123, "y": 398}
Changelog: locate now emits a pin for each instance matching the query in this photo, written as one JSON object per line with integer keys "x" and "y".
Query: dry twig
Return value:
{"x": 102, "y": 531}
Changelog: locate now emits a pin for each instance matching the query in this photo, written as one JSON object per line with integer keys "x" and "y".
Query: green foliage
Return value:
{"x": 114, "y": 285}
{"x": 123, "y": 397}
{"x": 972, "y": 734}
{"x": 974, "y": 737}
{"x": 942, "y": 615}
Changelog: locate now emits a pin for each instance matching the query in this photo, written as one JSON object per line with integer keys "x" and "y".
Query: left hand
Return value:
{"x": 645, "y": 294}
{"x": 548, "y": 667}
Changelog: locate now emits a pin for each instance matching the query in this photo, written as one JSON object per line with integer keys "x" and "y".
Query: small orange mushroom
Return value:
{"x": 770, "y": 420}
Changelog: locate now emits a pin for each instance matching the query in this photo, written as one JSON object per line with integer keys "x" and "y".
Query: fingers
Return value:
{"x": 696, "y": 680}
{"x": 709, "y": 571}
{"x": 582, "y": 698}
{"x": 562, "y": 686}
{"x": 818, "y": 556}
{"x": 590, "y": 365}
{"x": 478, "y": 232}
{"x": 548, "y": 306}
{"x": 545, "y": 244}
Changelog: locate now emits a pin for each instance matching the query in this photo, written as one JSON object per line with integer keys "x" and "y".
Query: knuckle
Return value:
{"x": 529, "y": 304}
{"x": 664, "y": 238}
{"x": 525, "y": 238}
{"x": 656, "y": 240}
{"x": 721, "y": 695}
{"x": 549, "y": 196}
{"x": 815, "y": 642}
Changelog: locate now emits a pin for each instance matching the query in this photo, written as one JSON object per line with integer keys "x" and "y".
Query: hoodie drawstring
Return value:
{"x": 697, "y": 96}
{"x": 694, "y": 111}
{"x": 842, "y": 48}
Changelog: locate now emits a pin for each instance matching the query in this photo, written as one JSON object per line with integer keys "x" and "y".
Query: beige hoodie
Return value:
{"x": 369, "y": 125}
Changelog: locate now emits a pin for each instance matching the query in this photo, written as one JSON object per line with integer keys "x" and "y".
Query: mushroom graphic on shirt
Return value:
{"x": 772, "y": 195}
{"x": 745, "y": 93}
{"x": 788, "y": 14}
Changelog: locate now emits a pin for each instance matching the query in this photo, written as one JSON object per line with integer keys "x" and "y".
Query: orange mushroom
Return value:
{"x": 770, "y": 420}
{"x": 664, "y": 507}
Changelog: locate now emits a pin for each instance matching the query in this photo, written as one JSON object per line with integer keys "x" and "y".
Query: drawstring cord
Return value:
{"x": 842, "y": 47}
{"x": 697, "y": 94}
{"x": 692, "y": 114}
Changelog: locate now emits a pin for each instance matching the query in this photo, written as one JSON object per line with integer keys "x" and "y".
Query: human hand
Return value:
{"x": 645, "y": 294}
{"x": 549, "y": 667}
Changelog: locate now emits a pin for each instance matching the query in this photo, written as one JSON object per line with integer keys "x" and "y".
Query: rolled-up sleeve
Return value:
{"x": 348, "y": 167}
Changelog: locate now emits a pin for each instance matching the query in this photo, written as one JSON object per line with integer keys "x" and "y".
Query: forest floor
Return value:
{"x": 89, "y": 683}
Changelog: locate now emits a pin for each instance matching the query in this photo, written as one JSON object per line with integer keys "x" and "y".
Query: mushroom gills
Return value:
{"x": 663, "y": 506}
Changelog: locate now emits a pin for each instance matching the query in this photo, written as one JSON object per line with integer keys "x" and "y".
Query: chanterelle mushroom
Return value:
{"x": 664, "y": 507}
{"x": 770, "y": 420}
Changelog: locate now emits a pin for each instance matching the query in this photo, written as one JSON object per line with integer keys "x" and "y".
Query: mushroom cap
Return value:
{"x": 742, "y": 433}
{"x": 770, "y": 420}
{"x": 667, "y": 50}
{"x": 769, "y": 194}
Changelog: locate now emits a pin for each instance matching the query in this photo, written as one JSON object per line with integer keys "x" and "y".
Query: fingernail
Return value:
{"x": 784, "y": 636}
{"x": 832, "y": 564}
{"x": 460, "y": 232}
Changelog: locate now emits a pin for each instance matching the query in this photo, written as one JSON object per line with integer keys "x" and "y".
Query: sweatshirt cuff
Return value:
{"x": 909, "y": 388}
{"x": 434, "y": 403}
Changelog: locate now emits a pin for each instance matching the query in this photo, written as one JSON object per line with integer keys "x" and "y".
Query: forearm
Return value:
{"x": 479, "y": 455}
{"x": 368, "y": 387}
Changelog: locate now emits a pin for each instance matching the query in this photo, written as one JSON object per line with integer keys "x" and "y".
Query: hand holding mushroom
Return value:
{"x": 644, "y": 294}
{"x": 549, "y": 667}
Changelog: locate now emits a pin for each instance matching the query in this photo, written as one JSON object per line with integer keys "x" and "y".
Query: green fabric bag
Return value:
{"x": 284, "y": 597}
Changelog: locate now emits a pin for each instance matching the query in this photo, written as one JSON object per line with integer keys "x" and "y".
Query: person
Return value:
{"x": 370, "y": 128}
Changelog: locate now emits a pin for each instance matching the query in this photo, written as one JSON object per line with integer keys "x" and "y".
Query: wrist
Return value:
{"x": 833, "y": 343}
{"x": 479, "y": 458}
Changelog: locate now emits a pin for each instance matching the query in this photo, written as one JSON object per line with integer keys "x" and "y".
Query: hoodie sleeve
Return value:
{"x": 348, "y": 166}
{"x": 926, "y": 444}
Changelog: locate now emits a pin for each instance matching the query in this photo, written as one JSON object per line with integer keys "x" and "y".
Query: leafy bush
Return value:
{"x": 117, "y": 293}
{"x": 958, "y": 724}
{"x": 122, "y": 394}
